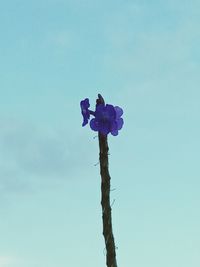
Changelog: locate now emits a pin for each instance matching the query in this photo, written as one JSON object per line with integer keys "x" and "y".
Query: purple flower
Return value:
{"x": 107, "y": 119}
{"x": 85, "y": 111}
{"x": 118, "y": 121}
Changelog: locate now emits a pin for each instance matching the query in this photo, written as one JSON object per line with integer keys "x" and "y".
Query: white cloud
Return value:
{"x": 29, "y": 153}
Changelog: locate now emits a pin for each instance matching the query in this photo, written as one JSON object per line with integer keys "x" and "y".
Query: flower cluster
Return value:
{"x": 107, "y": 118}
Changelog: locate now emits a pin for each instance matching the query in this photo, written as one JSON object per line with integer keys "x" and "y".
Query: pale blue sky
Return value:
{"x": 140, "y": 55}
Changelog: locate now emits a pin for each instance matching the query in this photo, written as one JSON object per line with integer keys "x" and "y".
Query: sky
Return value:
{"x": 140, "y": 55}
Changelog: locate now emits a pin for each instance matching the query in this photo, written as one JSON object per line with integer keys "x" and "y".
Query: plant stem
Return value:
{"x": 105, "y": 198}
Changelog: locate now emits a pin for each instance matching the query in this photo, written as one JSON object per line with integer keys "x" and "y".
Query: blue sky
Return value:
{"x": 140, "y": 55}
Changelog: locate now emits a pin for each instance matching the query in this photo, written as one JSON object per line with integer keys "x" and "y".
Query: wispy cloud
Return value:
{"x": 28, "y": 153}
{"x": 165, "y": 44}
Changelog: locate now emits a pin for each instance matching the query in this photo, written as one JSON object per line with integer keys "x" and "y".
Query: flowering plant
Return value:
{"x": 107, "y": 118}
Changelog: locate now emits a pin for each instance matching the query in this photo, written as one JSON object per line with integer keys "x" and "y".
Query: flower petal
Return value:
{"x": 120, "y": 123}
{"x": 85, "y": 121}
{"x": 104, "y": 129}
{"x": 94, "y": 125}
{"x": 85, "y": 111}
{"x": 85, "y": 103}
{"x": 119, "y": 111}
{"x": 110, "y": 110}
{"x": 115, "y": 133}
